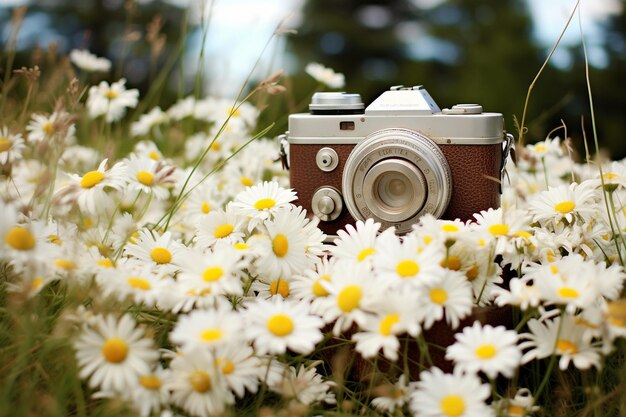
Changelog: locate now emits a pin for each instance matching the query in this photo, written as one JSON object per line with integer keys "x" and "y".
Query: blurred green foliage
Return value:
{"x": 463, "y": 51}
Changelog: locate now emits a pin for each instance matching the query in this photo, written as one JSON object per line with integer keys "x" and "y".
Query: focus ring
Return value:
{"x": 402, "y": 144}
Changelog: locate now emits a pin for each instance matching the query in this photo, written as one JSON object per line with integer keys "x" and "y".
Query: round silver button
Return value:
{"x": 327, "y": 203}
{"x": 327, "y": 159}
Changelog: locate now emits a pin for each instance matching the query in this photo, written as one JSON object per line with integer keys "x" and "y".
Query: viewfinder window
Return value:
{"x": 346, "y": 125}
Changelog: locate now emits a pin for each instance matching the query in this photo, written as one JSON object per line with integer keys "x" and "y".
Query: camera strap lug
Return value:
{"x": 506, "y": 150}
{"x": 283, "y": 154}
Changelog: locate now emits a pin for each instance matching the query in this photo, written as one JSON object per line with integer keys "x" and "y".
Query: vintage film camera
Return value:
{"x": 396, "y": 160}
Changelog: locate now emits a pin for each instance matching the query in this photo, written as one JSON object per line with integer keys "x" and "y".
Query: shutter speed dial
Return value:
{"x": 327, "y": 203}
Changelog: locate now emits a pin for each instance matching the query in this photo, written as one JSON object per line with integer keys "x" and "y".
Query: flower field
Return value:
{"x": 153, "y": 263}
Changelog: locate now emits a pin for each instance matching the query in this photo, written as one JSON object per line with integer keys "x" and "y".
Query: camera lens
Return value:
{"x": 396, "y": 188}
{"x": 396, "y": 175}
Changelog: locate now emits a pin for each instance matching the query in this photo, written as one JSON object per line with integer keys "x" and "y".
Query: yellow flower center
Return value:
{"x": 246, "y": 181}
{"x": 386, "y": 324}
{"x": 139, "y": 283}
{"x": 212, "y": 274}
{"x": 554, "y": 269}
{"x": 566, "y": 346}
{"x": 438, "y": 295}
{"x": 452, "y": 405}
{"x": 223, "y": 230}
{"x": 540, "y": 147}
{"x": 115, "y": 350}
{"x": 110, "y": 94}
{"x": 498, "y": 229}
{"x": 107, "y": 263}
{"x": 449, "y": 228}
{"x": 55, "y": 239}
{"x": 154, "y": 155}
{"x": 472, "y": 273}
{"x": 161, "y": 255}
{"x": 227, "y": 366}
{"x": 280, "y": 325}
{"x": 427, "y": 240}
{"x": 318, "y": 288}
{"x": 452, "y": 262}
{"x": 151, "y": 382}
{"x": 205, "y": 207}
{"x": 525, "y": 235}
{"x": 610, "y": 176}
{"x": 66, "y": 264}
{"x": 48, "y": 128}
{"x": 516, "y": 411}
{"x": 145, "y": 177}
{"x": 407, "y": 268}
{"x": 567, "y": 292}
{"x": 234, "y": 112}
{"x": 91, "y": 179}
{"x": 364, "y": 254}
{"x": 20, "y": 238}
{"x": 5, "y": 144}
{"x": 264, "y": 203}
{"x": 200, "y": 381}
{"x": 37, "y": 283}
{"x": 349, "y": 298}
{"x": 241, "y": 246}
{"x": 565, "y": 207}
{"x": 486, "y": 351}
{"x": 216, "y": 146}
{"x": 211, "y": 335}
{"x": 280, "y": 286}
{"x": 280, "y": 245}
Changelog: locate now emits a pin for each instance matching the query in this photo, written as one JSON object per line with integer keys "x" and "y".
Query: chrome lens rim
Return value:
{"x": 402, "y": 147}
{"x": 396, "y": 188}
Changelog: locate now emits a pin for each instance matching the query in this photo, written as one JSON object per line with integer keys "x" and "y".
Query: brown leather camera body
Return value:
{"x": 475, "y": 171}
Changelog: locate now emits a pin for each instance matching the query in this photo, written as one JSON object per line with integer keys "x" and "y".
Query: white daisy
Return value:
{"x": 569, "y": 281}
{"x": 562, "y": 336}
{"x": 492, "y": 350}
{"x": 307, "y": 285}
{"x": 111, "y": 101}
{"x": 89, "y": 191}
{"x": 395, "y": 398}
{"x": 197, "y": 385}
{"x": 324, "y": 75}
{"x": 450, "y": 395}
{"x": 114, "y": 353}
{"x": 151, "y": 393}
{"x": 277, "y": 325}
{"x": 402, "y": 263}
{"x": 240, "y": 367}
{"x": 182, "y": 108}
{"x": 149, "y": 176}
{"x": 23, "y": 241}
{"x": 89, "y": 62}
{"x": 133, "y": 281}
{"x": 218, "y": 271}
{"x": 11, "y": 146}
{"x": 260, "y": 202}
{"x": 284, "y": 251}
{"x": 209, "y": 328}
{"x": 148, "y": 121}
{"x": 351, "y": 289}
{"x": 219, "y": 226}
{"x": 356, "y": 242}
{"x": 446, "y": 291}
{"x": 56, "y": 128}
{"x": 304, "y": 385}
{"x": 160, "y": 251}
{"x": 394, "y": 314}
{"x": 564, "y": 202}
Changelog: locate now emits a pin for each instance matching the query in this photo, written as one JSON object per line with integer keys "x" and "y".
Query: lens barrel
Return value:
{"x": 395, "y": 176}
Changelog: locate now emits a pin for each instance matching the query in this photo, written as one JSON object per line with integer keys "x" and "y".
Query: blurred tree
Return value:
{"x": 139, "y": 43}
{"x": 479, "y": 51}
